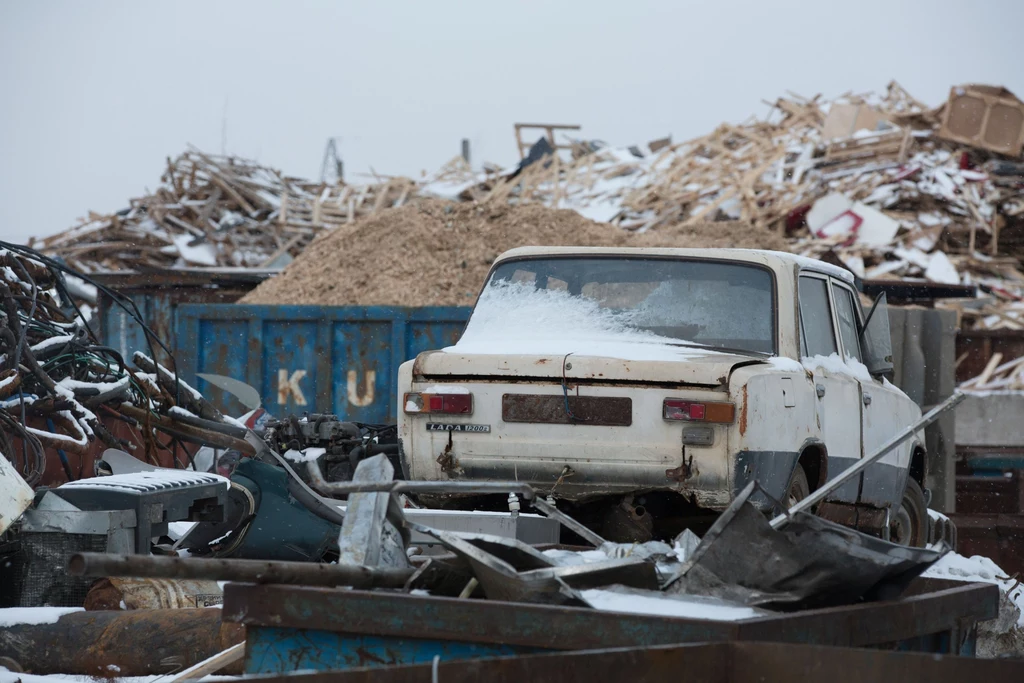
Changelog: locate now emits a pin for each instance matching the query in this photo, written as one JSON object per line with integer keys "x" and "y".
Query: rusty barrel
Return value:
{"x": 120, "y": 643}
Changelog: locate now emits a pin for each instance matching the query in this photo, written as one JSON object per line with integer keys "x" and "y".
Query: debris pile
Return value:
{"x": 435, "y": 253}
{"x": 998, "y": 376}
{"x": 216, "y": 211}
{"x": 61, "y": 391}
{"x": 882, "y": 183}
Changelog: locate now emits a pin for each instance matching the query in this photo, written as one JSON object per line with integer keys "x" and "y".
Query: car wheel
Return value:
{"x": 910, "y": 524}
{"x": 799, "y": 488}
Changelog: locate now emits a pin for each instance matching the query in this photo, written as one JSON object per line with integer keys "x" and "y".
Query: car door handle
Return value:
{"x": 867, "y": 399}
{"x": 819, "y": 389}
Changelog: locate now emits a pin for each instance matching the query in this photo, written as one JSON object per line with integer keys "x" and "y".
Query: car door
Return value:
{"x": 838, "y": 392}
{"x": 884, "y": 409}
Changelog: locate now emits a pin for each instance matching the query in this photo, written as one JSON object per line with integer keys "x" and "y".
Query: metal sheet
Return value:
{"x": 342, "y": 360}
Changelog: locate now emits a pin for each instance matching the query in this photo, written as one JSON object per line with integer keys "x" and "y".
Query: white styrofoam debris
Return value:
{"x": 941, "y": 269}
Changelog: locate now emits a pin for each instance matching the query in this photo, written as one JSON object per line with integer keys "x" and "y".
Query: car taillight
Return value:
{"x": 450, "y": 404}
{"x": 698, "y": 411}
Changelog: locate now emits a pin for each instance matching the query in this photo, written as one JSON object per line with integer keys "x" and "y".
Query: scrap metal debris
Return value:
{"x": 63, "y": 393}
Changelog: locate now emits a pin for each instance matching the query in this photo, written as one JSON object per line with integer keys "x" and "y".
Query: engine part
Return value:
{"x": 343, "y": 444}
{"x": 156, "y": 497}
{"x": 266, "y": 520}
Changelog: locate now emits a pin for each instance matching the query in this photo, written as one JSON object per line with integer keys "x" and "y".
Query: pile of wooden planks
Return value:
{"x": 217, "y": 211}
{"x": 939, "y": 209}
{"x": 998, "y": 376}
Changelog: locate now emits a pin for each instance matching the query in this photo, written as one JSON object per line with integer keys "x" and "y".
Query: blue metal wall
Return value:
{"x": 341, "y": 360}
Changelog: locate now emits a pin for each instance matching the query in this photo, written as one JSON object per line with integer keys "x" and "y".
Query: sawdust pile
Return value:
{"x": 436, "y": 253}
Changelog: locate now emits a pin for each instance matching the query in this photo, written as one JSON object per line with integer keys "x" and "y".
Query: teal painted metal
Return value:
{"x": 341, "y": 360}
{"x": 283, "y": 650}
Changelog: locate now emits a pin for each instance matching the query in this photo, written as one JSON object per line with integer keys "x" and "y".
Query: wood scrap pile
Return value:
{"x": 998, "y": 376}
{"x": 872, "y": 181}
{"x": 215, "y": 211}
{"x": 61, "y": 390}
{"x": 882, "y": 183}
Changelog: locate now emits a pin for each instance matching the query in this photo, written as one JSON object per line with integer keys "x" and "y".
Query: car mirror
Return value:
{"x": 876, "y": 340}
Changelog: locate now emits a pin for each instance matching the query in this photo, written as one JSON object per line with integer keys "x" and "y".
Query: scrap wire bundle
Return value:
{"x": 60, "y": 388}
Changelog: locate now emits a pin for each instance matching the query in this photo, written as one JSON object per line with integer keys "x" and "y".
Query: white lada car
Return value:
{"x": 643, "y": 388}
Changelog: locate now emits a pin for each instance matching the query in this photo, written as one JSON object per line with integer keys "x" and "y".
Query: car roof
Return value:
{"x": 773, "y": 259}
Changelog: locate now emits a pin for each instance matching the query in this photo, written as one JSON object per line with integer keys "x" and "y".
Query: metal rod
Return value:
{"x": 402, "y": 486}
{"x": 856, "y": 469}
{"x": 568, "y": 522}
{"x": 248, "y": 571}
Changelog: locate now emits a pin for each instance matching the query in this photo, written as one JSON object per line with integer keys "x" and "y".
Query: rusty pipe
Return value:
{"x": 187, "y": 432}
{"x": 247, "y": 571}
{"x": 120, "y": 643}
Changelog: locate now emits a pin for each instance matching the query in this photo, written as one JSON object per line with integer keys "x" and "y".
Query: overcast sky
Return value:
{"x": 95, "y": 95}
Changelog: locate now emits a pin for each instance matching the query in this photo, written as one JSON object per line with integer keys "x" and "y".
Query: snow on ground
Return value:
{"x": 11, "y": 616}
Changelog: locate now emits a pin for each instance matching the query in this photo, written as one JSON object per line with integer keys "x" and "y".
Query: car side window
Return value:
{"x": 819, "y": 338}
{"x": 846, "y": 311}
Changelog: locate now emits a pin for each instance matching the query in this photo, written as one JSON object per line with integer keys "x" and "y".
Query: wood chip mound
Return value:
{"x": 437, "y": 253}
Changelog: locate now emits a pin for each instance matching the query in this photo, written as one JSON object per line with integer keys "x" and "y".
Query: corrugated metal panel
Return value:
{"x": 342, "y": 360}
{"x": 158, "y": 296}
{"x": 923, "y": 345}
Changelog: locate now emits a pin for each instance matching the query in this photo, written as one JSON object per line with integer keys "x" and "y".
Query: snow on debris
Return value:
{"x": 517, "y": 318}
{"x": 633, "y": 601}
{"x": 977, "y": 568}
{"x": 154, "y": 479}
{"x": 305, "y": 455}
{"x": 12, "y": 616}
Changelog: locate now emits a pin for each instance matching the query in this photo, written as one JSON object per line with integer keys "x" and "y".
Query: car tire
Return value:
{"x": 910, "y": 525}
{"x": 799, "y": 488}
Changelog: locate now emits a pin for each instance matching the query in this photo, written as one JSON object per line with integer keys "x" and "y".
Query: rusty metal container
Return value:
{"x": 329, "y": 359}
{"x": 291, "y": 628}
{"x": 696, "y": 663}
{"x": 118, "y": 643}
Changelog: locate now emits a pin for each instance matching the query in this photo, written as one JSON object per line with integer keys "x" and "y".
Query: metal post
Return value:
{"x": 248, "y": 571}
{"x": 853, "y": 471}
